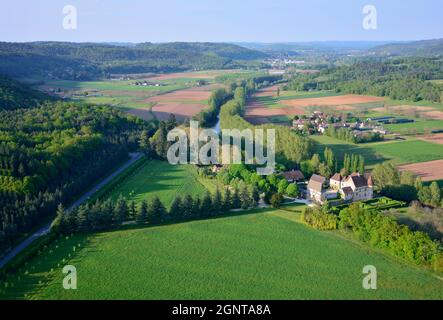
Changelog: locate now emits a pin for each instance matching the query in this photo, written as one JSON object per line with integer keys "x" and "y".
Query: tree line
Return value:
{"x": 379, "y": 231}
{"x": 349, "y": 135}
{"x": 404, "y": 186}
{"x": 106, "y": 214}
{"x": 291, "y": 148}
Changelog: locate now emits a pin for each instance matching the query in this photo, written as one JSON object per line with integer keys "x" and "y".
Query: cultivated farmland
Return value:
{"x": 266, "y": 104}
{"x": 427, "y": 171}
{"x": 266, "y": 254}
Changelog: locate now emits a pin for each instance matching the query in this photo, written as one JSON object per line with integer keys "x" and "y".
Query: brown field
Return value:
{"x": 435, "y": 138}
{"x": 182, "y": 103}
{"x": 179, "y": 109}
{"x": 181, "y": 95}
{"x": 428, "y": 171}
{"x": 348, "y": 99}
{"x": 437, "y": 115}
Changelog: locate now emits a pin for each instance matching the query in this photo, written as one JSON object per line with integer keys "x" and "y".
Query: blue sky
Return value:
{"x": 220, "y": 20}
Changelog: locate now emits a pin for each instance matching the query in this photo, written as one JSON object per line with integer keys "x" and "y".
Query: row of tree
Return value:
{"x": 107, "y": 214}
{"x": 404, "y": 186}
{"x": 351, "y": 136}
{"x": 327, "y": 165}
{"x": 379, "y": 231}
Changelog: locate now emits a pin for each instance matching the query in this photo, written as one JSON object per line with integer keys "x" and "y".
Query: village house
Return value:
{"x": 355, "y": 187}
{"x": 293, "y": 176}
{"x": 361, "y": 186}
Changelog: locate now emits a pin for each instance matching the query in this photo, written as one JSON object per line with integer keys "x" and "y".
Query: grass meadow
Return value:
{"x": 399, "y": 152}
{"x": 420, "y": 126}
{"x": 159, "y": 178}
{"x": 261, "y": 254}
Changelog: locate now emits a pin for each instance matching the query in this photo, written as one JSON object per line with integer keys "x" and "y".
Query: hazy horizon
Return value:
{"x": 282, "y": 21}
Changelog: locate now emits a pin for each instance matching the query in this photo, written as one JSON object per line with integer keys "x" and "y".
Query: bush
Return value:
{"x": 385, "y": 233}
{"x": 319, "y": 219}
{"x": 276, "y": 200}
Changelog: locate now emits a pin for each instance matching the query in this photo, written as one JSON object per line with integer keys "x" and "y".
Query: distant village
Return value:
{"x": 319, "y": 122}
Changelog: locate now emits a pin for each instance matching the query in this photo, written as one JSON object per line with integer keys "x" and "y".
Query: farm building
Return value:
{"x": 355, "y": 187}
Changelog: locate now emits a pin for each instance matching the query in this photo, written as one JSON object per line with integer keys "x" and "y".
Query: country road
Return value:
{"x": 45, "y": 229}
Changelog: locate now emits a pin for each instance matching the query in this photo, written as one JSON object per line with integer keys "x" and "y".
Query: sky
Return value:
{"x": 219, "y": 20}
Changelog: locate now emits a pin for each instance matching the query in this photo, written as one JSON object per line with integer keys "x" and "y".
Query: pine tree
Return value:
{"x": 132, "y": 210}
{"x": 206, "y": 205}
{"x": 188, "y": 210}
{"x": 175, "y": 212}
{"x": 217, "y": 202}
{"x": 142, "y": 213}
{"x": 361, "y": 164}
{"x": 144, "y": 143}
{"x": 156, "y": 211}
{"x": 58, "y": 225}
{"x": 245, "y": 200}
{"x": 236, "y": 203}
{"x": 227, "y": 200}
{"x": 121, "y": 211}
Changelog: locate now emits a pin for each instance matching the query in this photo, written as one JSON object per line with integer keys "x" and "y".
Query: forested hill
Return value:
{"x": 51, "y": 151}
{"x": 14, "y": 95}
{"x": 425, "y": 48}
{"x": 85, "y": 61}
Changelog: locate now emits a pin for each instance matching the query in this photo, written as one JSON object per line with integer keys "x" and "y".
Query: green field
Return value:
{"x": 163, "y": 180}
{"x": 266, "y": 254}
{"x": 418, "y": 127}
{"x": 399, "y": 152}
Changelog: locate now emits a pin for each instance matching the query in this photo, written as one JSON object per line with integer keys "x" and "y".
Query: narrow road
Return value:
{"x": 45, "y": 229}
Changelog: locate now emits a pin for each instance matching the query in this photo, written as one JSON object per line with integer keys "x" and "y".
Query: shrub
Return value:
{"x": 319, "y": 219}
{"x": 384, "y": 232}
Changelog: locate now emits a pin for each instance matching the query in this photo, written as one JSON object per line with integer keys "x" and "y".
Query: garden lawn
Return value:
{"x": 265, "y": 254}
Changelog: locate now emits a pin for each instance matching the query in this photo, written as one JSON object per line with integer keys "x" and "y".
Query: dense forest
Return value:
{"x": 424, "y": 48}
{"x": 86, "y": 61}
{"x": 399, "y": 78}
{"x": 51, "y": 152}
{"x": 13, "y": 95}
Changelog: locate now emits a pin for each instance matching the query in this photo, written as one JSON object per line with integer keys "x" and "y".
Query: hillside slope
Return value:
{"x": 423, "y": 48}
{"x": 15, "y": 95}
{"x": 85, "y": 61}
